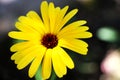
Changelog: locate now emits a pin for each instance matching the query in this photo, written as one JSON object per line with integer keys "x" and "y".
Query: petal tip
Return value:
{"x": 10, "y": 33}
{"x": 30, "y": 75}
{"x": 76, "y": 10}
{"x": 18, "y": 67}
{"x": 90, "y": 35}
{"x": 44, "y": 2}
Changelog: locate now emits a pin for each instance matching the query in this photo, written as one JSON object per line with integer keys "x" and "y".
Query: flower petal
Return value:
{"x": 37, "y": 20}
{"x": 66, "y": 19}
{"x": 19, "y": 46}
{"x": 25, "y": 28}
{"x": 60, "y": 18}
{"x": 45, "y": 15}
{"x": 51, "y": 16}
{"x": 34, "y": 24}
{"x": 28, "y": 57}
{"x": 78, "y": 46}
{"x": 58, "y": 64}
{"x": 33, "y": 15}
{"x": 47, "y": 65}
{"x": 65, "y": 58}
{"x": 13, "y": 57}
{"x": 79, "y": 32}
{"x": 37, "y": 61}
{"x": 72, "y": 26}
{"x": 23, "y": 36}
{"x": 53, "y": 13}
{"x": 80, "y": 35}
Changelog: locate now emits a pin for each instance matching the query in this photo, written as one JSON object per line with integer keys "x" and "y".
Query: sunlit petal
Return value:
{"x": 66, "y": 19}
{"x": 60, "y": 18}
{"x": 74, "y": 45}
{"x": 37, "y": 61}
{"x": 45, "y": 15}
{"x": 58, "y": 64}
{"x": 19, "y": 35}
{"x": 72, "y": 27}
{"x": 65, "y": 58}
{"x": 27, "y": 59}
{"x": 47, "y": 64}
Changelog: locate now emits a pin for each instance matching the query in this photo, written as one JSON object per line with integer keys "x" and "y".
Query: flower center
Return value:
{"x": 49, "y": 40}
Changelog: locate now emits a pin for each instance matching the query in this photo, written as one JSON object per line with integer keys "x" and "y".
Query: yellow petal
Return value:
{"x": 28, "y": 57}
{"x": 80, "y": 29}
{"x": 60, "y": 17}
{"x": 13, "y": 57}
{"x": 53, "y": 12}
{"x": 17, "y": 60}
{"x": 79, "y": 32}
{"x": 58, "y": 64}
{"x": 33, "y": 15}
{"x": 17, "y": 57}
{"x": 45, "y": 15}
{"x": 24, "y": 28}
{"x": 78, "y": 46}
{"x": 34, "y": 24}
{"x": 66, "y": 19}
{"x": 76, "y": 34}
{"x": 36, "y": 19}
{"x": 22, "y": 35}
{"x": 36, "y": 62}
{"x": 73, "y": 26}
{"x": 65, "y": 58}
{"x": 56, "y": 14}
{"x": 21, "y": 54}
{"x": 19, "y": 46}
{"x": 47, "y": 65}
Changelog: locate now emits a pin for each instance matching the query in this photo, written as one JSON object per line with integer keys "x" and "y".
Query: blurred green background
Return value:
{"x": 103, "y": 19}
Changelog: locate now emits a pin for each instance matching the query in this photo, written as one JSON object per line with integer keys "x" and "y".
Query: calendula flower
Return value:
{"x": 44, "y": 38}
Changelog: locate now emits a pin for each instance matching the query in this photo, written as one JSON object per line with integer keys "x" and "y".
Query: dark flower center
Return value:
{"x": 49, "y": 40}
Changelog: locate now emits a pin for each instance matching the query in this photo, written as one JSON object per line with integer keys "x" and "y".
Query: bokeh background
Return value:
{"x": 103, "y": 59}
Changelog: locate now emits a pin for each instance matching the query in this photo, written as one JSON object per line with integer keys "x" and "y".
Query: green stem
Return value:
{"x": 38, "y": 75}
{"x": 53, "y": 76}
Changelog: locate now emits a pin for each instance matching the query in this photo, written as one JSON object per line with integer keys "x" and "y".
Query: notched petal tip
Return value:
{"x": 30, "y": 13}
{"x": 11, "y": 33}
{"x": 11, "y": 49}
{"x": 22, "y": 18}
{"x": 72, "y": 66}
{"x": 44, "y": 3}
{"x": 30, "y": 75}
{"x": 85, "y": 52}
{"x": 75, "y": 10}
{"x": 51, "y": 3}
{"x": 67, "y": 6}
{"x": 82, "y": 22}
{"x": 12, "y": 57}
{"x": 90, "y": 34}
{"x": 19, "y": 67}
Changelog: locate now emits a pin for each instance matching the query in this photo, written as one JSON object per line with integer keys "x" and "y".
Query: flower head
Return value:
{"x": 44, "y": 39}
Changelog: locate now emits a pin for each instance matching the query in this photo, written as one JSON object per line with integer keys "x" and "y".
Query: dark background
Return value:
{"x": 98, "y": 13}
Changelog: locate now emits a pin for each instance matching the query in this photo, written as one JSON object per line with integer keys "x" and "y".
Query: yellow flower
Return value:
{"x": 44, "y": 39}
